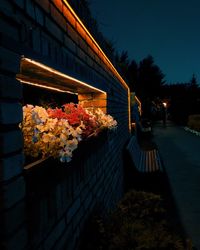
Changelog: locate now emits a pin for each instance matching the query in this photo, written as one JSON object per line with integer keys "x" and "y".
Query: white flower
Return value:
{"x": 45, "y": 136}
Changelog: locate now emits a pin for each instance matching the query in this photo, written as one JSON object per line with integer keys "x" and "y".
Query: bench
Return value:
{"x": 145, "y": 161}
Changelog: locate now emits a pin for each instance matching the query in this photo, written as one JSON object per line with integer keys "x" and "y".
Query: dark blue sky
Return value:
{"x": 169, "y": 30}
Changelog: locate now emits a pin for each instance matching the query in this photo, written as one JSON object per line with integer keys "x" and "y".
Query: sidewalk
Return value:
{"x": 180, "y": 152}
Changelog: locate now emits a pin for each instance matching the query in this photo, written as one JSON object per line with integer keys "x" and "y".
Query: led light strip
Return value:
{"x": 61, "y": 74}
{"x": 140, "y": 105}
{"x": 46, "y": 87}
{"x": 105, "y": 57}
{"x": 94, "y": 41}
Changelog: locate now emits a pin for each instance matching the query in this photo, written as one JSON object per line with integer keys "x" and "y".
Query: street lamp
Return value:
{"x": 165, "y": 104}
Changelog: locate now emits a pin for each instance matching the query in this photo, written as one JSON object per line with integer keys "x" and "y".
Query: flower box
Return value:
{"x": 59, "y": 133}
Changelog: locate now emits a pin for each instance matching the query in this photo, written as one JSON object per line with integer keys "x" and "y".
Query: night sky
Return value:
{"x": 169, "y": 30}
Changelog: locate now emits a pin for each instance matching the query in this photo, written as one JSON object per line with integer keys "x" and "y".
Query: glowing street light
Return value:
{"x": 165, "y": 104}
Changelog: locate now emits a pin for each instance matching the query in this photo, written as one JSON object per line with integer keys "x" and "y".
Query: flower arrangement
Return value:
{"x": 104, "y": 121}
{"x": 57, "y": 132}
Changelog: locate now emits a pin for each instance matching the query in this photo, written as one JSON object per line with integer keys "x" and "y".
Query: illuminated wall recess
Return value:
{"x": 75, "y": 21}
{"x": 39, "y": 75}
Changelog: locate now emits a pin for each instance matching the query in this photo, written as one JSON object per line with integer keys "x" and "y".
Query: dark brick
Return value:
{"x": 36, "y": 40}
{"x": 73, "y": 209}
{"x": 45, "y": 4}
{"x": 13, "y": 218}
{"x": 59, "y": 203}
{"x": 42, "y": 216}
{"x": 77, "y": 190}
{"x": 12, "y": 193}
{"x": 11, "y": 166}
{"x": 83, "y": 45}
{"x": 88, "y": 201}
{"x": 53, "y": 29}
{"x": 55, "y": 235}
{"x": 10, "y": 30}
{"x": 11, "y": 141}
{"x": 58, "y": 18}
{"x": 10, "y": 113}
{"x": 20, "y": 3}
{"x": 39, "y": 15}
{"x": 17, "y": 241}
{"x": 7, "y": 8}
{"x": 10, "y": 88}
{"x": 72, "y": 34}
{"x": 62, "y": 243}
{"x": 45, "y": 45}
{"x": 70, "y": 44}
{"x": 92, "y": 181}
{"x": 81, "y": 54}
{"x": 30, "y": 8}
{"x": 9, "y": 60}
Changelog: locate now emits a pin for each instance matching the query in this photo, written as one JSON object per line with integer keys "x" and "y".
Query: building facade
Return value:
{"x": 45, "y": 44}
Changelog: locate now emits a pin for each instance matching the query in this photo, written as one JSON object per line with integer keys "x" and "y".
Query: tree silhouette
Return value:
{"x": 193, "y": 80}
{"x": 122, "y": 62}
{"x": 146, "y": 80}
{"x": 184, "y": 99}
{"x": 150, "y": 79}
{"x": 132, "y": 76}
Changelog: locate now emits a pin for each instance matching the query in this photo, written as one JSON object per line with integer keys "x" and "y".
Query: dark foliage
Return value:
{"x": 139, "y": 222}
{"x": 184, "y": 100}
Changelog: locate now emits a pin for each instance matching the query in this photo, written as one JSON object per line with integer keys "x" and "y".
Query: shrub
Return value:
{"x": 194, "y": 122}
{"x": 138, "y": 223}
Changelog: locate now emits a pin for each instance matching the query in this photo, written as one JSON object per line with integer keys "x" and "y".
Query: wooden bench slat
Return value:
{"x": 144, "y": 161}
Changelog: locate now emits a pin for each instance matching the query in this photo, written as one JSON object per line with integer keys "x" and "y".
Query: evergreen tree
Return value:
{"x": 193, "y": 80}
{"x": 132, "y": 76}
{"x": 150, "y": 79}
{"x": 122, "y": 61}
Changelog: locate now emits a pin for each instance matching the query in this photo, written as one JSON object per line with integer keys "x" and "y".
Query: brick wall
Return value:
{"x": 45, "y": 208}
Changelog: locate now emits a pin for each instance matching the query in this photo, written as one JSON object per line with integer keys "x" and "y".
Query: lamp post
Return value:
{"x": 164, "y": 112}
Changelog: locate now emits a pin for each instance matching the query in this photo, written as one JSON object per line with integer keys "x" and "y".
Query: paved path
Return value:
{"x": 180, "y": 152}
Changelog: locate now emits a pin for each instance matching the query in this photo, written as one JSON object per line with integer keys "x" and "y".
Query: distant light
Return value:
{"x": 165, "y": 104}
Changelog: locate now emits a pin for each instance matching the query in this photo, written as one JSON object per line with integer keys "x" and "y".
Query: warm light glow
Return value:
{"x": 129, "y": 110}
{"x": 139, "y": 103}
{"x": 94, "y": 41}
{"x": 62, "y": 75}
{"x": 133, "y": 124}
{"x": 101, "y": 54}
{"x": 46, "y": 87}
{"x": 165, "y": 104}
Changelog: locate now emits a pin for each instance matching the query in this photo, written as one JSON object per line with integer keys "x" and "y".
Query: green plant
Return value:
{"x": 139, "y": 222}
